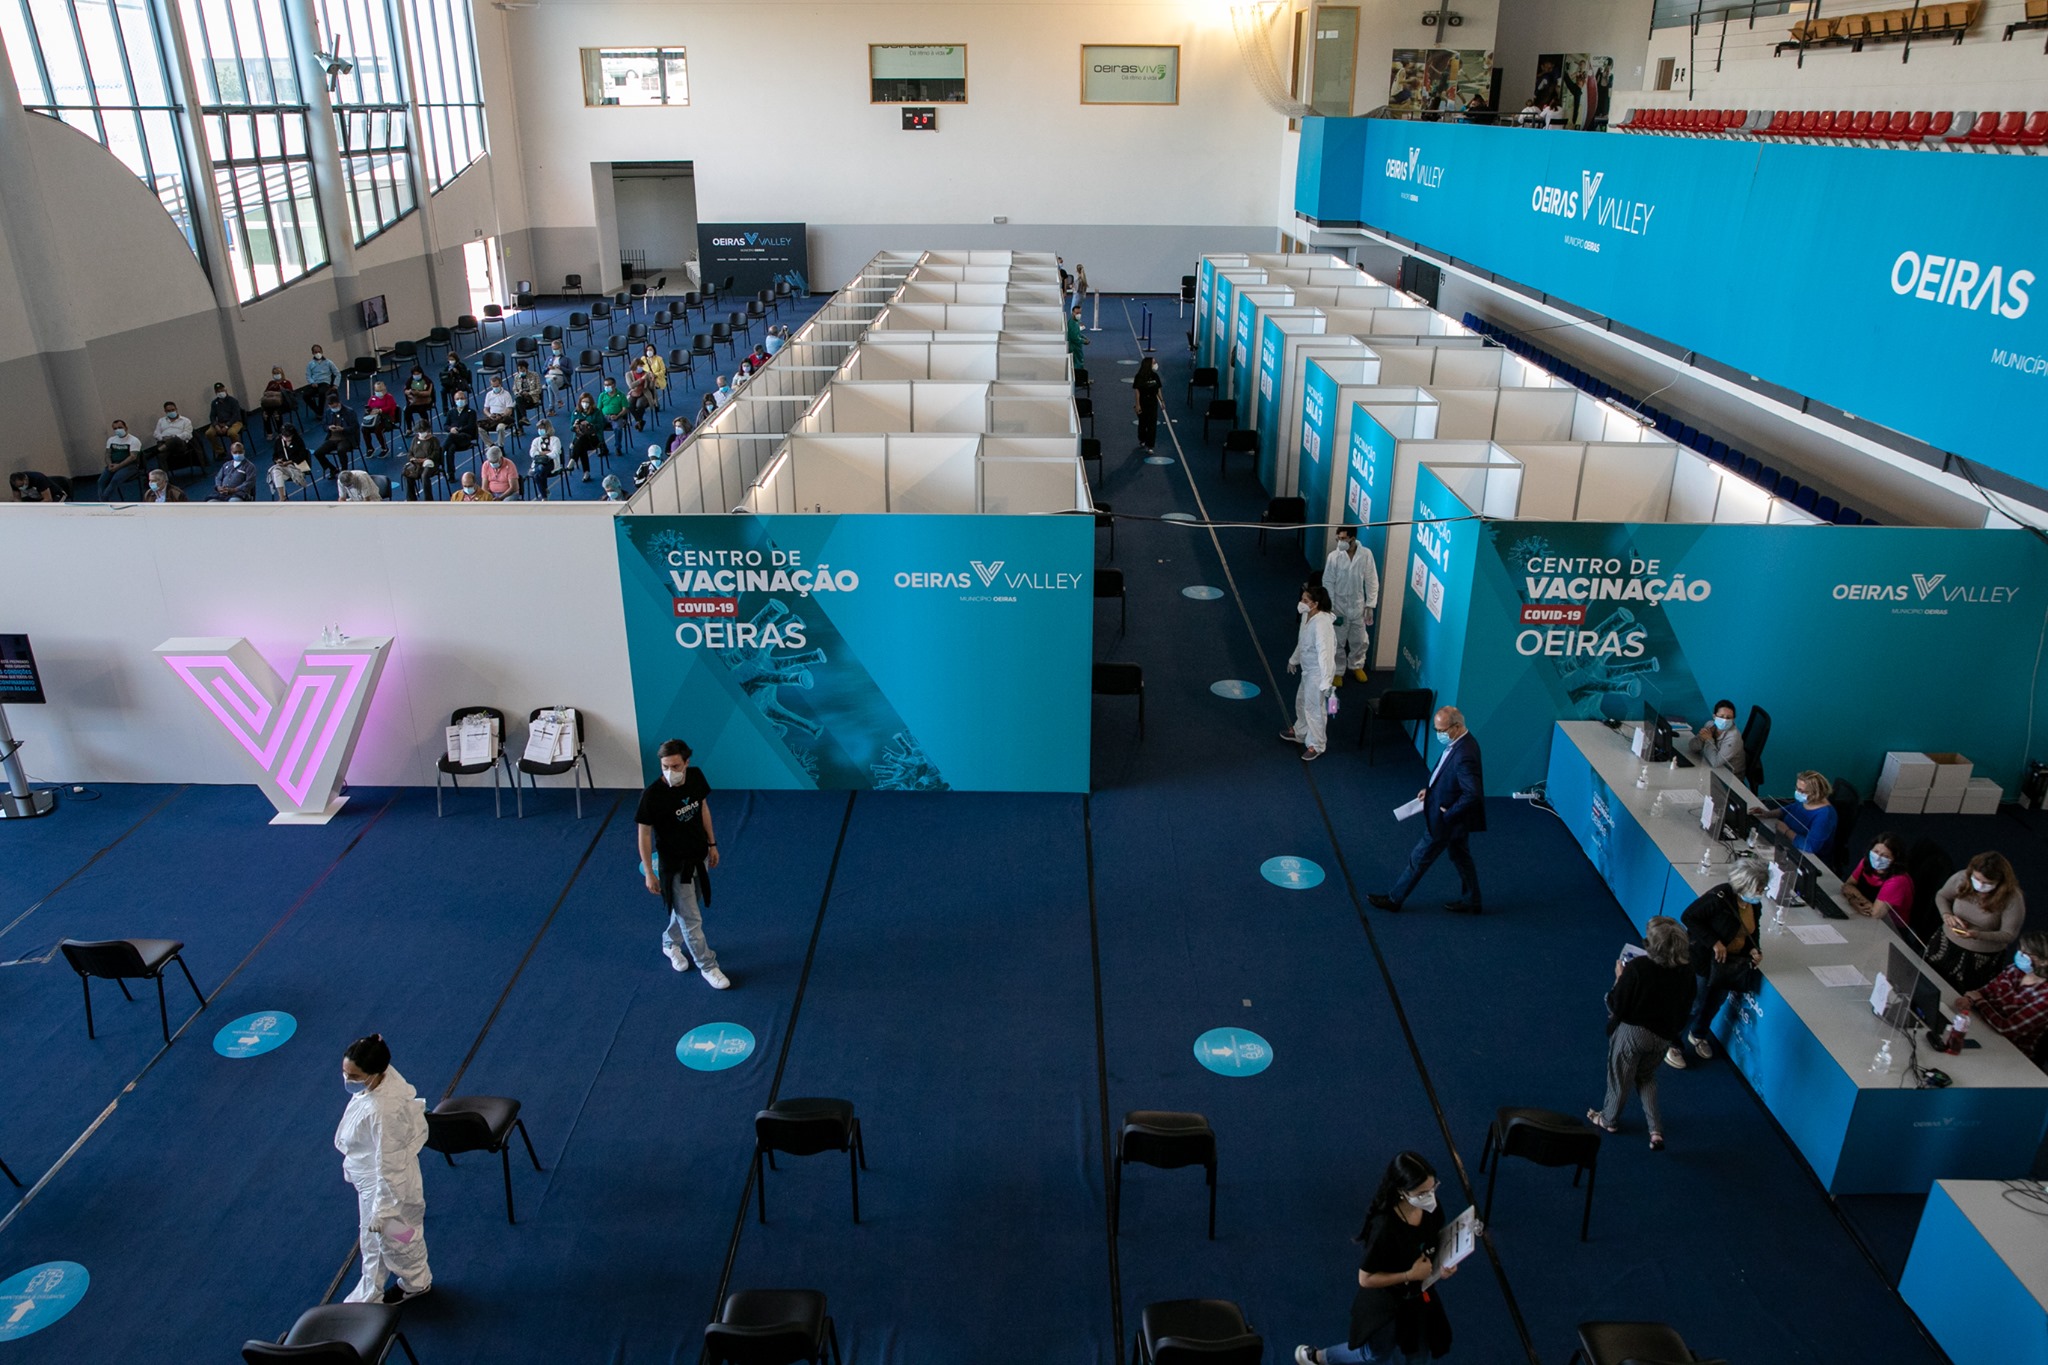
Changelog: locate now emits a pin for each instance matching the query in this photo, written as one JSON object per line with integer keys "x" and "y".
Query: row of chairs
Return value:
{"x": 1938, "y": 20}
{"x": 500, "y": 762}
{"x": 1786, "y": 486}
{"x": 1940, "y": 129}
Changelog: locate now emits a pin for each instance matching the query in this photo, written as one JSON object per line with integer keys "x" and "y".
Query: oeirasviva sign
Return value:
{"x": 1130, "y": 75}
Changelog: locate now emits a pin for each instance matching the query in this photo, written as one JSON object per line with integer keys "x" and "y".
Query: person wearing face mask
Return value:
{"x": 678, "y": 849}
{"x": 678, "y": 435}
{"x": 613, "y": 490}
{"x": 380, "y": 1136}
{"x": 1880, "y": 886}
{"x": 722, "y": 395}
{"x": 1315, "y": 658}
{"x": 1809, "y": 818}
{"x": 500, "y": 477}
{"x": 1721, "y": 926}
{"x": 657, "y": 375}
{"x": 644, "y": 471}
{"x": 589, "y": 429}
{"x": 614, "y": 405}
{"x": 501, "y": 409}
{"x": 236, "y": 480}
{"x": 276, "y": 402}
{"x": 380, "y": 417}
{"x": 123, "y": 463}
{"x": 224, "y": 420}
{"x": 1981, "y": 913}
{"x": 470, "y": 490}
{"x": 1145, "y": 388}
{"x": 1453, "y": 810}
{"x": 291, "y": 447}
{"x": 343, "y": 437}
{"x": 1354, "y": 583}
{"x": 526, "y": 392}
{"x": 422, "y": 463}
{"x": 174, "y": 438}
{"x": 322, "y": 379}
{"x": 455, "y": 378}
{"x": 1646, "y": 1009}
{"x": 1719, "y": 742}
{"x": 287, "y": 476}
{"x": 778, "y": 337}
{"x": 419, "y": 396}
{"x": 709, "y": 405}
{"x": 462, "y": 427}
{"x": 555, "y": 374}
{"x": 161, "y": 489}
{"x": 2014, "y": 1003}
{"x": 1393, "y": 1318}
{"x": 544, "y": 460}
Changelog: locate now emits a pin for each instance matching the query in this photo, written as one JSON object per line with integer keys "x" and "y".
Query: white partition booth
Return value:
{"x": 941, "y": 405}
{"x": 982, "y": 356}
{"x": 916, "y": 473}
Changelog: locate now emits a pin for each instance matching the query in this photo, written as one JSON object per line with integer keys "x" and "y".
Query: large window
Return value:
{"x": 98, "y": 65}
{"x": 368, "y": 93}
{"x": 451, "y": 99}
{"x": 635, "y": 76}
{"x": 256, "y": 119}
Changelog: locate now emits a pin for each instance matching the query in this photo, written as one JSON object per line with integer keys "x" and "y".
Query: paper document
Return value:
{"x": 1816, "y": 934}
{"x": 1458, "y": 1240}
{"x": 1412, "y": 808}
{"x": 1630, "y": 952}
{"x": 1839, "y": 976}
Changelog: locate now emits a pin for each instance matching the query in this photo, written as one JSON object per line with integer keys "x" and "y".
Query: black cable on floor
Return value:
{"x": 1116, "y": 1288}
{"x": 803, "y": 980}
{"x": 1372, "y": 939}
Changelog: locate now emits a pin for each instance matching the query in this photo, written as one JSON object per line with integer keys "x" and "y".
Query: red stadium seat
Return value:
{"x": 1916, "y": 127}
{"x": 1896, "y": 130}
{"x": 2035, "y": 133}
{"x": 1859, "y": 126}
{"x": 1780, "y": 121}
{"x": 1980, "y": 131}
{"x": 1937, "y": 128}
{"x": 1809, "y": 123}
{"x": 2008, "y": 130}
{"x": 1827, "y": 124}
{"x": 1734, "y": 121}
{"x": 1879, "y": 121}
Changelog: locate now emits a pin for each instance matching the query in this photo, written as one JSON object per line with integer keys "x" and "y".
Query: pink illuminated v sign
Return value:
{"x": 298, "y": 733}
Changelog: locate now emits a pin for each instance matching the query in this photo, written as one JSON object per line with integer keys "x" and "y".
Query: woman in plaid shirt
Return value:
{"x": 2015, "y": 1002}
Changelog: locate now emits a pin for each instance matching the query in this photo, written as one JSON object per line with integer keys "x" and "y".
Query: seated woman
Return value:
{"x": 1981, "y": 914}
{"x": 1719, "y": 742}
{"x": 2015, "y": 1002}
{"x": 1722, "y": 929}
{"x": 1880, "y": 886}
{"x": 1810, "y": 819}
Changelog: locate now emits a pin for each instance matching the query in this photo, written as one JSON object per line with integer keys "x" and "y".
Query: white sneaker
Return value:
{"x": 717, "y": 979}
{"x": 676, "y": 957}
{"x": 1306, "y": 1355}
{"x": 1673, "y": 1057}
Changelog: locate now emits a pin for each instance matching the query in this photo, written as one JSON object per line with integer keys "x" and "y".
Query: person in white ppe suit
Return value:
{"x": 380, "y": 1137}
{"x": 1354, "y": 584}
{"x": 1315, "y": 658}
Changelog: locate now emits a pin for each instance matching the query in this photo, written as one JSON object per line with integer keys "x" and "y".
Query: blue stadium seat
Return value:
{"x": 1702, "y": 442}
{"x": 1752, "y": 467}
{"x": 1787, "y": 487}
{"x": 1827, "y": 509}
{"x": 1718, "y": 452}
{"x": 1768, "y": 477}
{"x": 1686, "y": 436}
{"x": 1848, "y": 516}
{"x": 1806, "y": 498}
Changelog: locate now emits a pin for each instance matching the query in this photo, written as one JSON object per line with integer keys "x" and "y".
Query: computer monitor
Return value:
{"x": 1658, "y": 742}
{"x": 1723, "y": 815}
{"x": 1915, "y": 992}
{"x": 1812, "y": 893}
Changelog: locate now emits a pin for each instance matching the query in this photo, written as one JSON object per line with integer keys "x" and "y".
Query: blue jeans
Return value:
{"x": 686, "y": 922}
{"x": 112, "y": 479}
{"x": 1427, "y": 850}
{"x": 1379, "y": 1349}
{"x": 1715, "y": 986}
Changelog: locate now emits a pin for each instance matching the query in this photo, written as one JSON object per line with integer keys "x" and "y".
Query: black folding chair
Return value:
{"x": 1160, "y": 1138}
{"x": 1400, "y": 705}
{"x": 1201, "y": 378}
{"x": 807, "y": 1127}
{"x": 334, "y": 1334}
{"x": 1219, "y": 410}
{"x": 535, "y": 769}
{"x": 1646, "y": 1343}
{"x": 1109, "y": 583}
{"x": 499, "y": 763}
{"x": 1121, "y": 680}
{"x": 1548, "y": 1139}
{"x": 479, "y": 1123}
{"x": 1290, "y": 513}
{"x": 121, "y": 960}
{"x": 1196, "y": 1332}
{"x": 1242, "y": 441}
{"x": 771, "y": 1327}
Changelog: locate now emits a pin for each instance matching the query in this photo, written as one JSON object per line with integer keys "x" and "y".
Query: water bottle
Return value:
{"x": 1642, "y": 777}
{"x": 1883, "y": 1060}
{"x": 1958, "y": 1028}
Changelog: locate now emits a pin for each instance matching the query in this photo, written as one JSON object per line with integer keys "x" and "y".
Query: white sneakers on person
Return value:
{"x": 676, "y": 957}
{"x": 1673, "y": 1057}
{"x": 717, "y": 979}
{"x": 1307, "y": 1355}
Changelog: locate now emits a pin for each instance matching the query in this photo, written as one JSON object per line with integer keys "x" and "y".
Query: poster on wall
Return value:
{"x": 1440, "y": 80}
{"x": 755, "y": 256}
{"x": 864, "y": 653}
{"x": 917, "y": 73}
{"x": 20, "y": 683}
{"x": 1129, "y": 75}
{"x": 1579, "y": 85}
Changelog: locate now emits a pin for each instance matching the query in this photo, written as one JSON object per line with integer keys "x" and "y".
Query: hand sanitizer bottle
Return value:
{"x": 1882, "y": 1062}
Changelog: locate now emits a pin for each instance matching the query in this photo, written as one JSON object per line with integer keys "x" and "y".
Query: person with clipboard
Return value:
{"x": 1398, "y": 1313}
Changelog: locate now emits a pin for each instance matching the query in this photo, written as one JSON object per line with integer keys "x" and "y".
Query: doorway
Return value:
{"x": 656, "y": 207}
{"x": 480, "y": 271}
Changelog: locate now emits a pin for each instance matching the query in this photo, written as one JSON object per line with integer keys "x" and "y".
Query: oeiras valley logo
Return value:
{"x": 1587, "y": 204}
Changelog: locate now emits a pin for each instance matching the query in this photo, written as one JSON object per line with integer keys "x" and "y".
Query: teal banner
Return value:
{"x": 1855, "y": 641}
{"x": 1368, "y": 486}
{"x": 1443, "y": 551}
{"x": 884, "y": 653}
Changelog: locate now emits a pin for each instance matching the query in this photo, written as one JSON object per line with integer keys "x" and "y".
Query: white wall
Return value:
{"x": 657, "y": 215}
{"x": 478, "y": 615}
{"x": 1603, "y": 28}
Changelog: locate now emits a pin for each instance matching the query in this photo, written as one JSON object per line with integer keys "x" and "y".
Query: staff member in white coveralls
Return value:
{"x": 1315, "y": 657}
{"x": 380, "y": 1137}
{"x": 1354, "y": 584}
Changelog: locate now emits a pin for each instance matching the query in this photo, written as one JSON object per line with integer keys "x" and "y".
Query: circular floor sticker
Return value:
{"x": 1202, "y": 592}
{"x": 714, "y": 1047}
{"x": 252, "y": 1035}
{"x": 1237, "y": 689}
{"x": 1294, "y": 874}
{"x": 1178, "y": 516}
{"x": 34, "y": 1298}
{"x": 1159, "y": 459}
{"x": 1233, "y": 1052}
{"x": 1127, "y": 362}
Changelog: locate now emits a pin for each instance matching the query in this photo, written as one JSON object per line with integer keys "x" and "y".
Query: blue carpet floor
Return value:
{"x": 994, "y": 981}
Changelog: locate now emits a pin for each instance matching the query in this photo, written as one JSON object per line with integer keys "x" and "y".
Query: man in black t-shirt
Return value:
{"x": 676, "y": 842}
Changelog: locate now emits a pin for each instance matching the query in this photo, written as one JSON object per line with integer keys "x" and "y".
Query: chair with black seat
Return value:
{"x": 692, "y": 301}
{"x": 494, "y": 313}
{"x": 551, "y": 332}
{"x": 1120, "y": 680}
{"x": 771, "y": 1327}
{"x": 1756, "y": 732}
{"x": 526, "y": 299}
{"x": 1187, "y": 292}
{"x": 1157, "y": 1137}
{"x": 1082, "y": 384}
{"x": 739, "y": 324}
{"x": 662, "y": 327}
{"x": 1109, "y": 583}
{"x": 1091, "y": 449}
{"x": 615, "y": 351}
{"x": 807, "y": 1127}
{"x": 721, "y": 335}
{"x": 637, "y": 294}
{"x": 1106, "y": 521}
{"x": 121, "y": 960}
{"x": 1930, "y": 867}
{"x": 1548, "y": 1139}
{"x": 784, "y": 293}
{"x": 1219, "y": 410}
{"x": 1201, "y": 377}
{"x": 498, "y": 763}
{"x": 1084, "y": 411}
{"x": 437, "y": 338}
{"x": 572, "y": 284}
{"x": 1842, "y": 796}
{"x": 1645, "y": 1343}
{"x": 700, "y": 344}
{"x": 637, "y": 334}
{"x": 680, "y": 362}
{"x": 479, "y": 1123}
{"x": 587, "y": 362}
{"x": 1401, "y": 705}
{"x": 1242, "y": 441}
{"x": 525, "y": 348}
{"x": 1284, "y": 513}
{"x": 535, "y": 769}
{"x": 335, "y": 1334}
{"x": 467, "y": 328}
{"x": 601, "y": 312}
{"x": 1196, "y": 1332}
{"x": 578, "y": 322}
{"x": 757, "y": 311}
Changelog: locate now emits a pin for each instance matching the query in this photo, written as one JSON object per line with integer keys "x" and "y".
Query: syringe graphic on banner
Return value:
{"x": 763, "y": 673}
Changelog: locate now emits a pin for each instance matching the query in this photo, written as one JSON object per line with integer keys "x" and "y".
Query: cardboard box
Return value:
{"x": 1944, "y": 801}
{"x": 1951, "y": 774}
{"x": 1981, "y": 797}
{"x": 1900, "y": 801}
{"x": 1906, "y": 768}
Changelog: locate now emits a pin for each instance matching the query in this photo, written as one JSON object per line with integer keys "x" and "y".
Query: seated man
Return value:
{"x": 124, "y": 461}
{"x": 462, "y": 427}
{"x": 344, "y": 436}
{"x": 224, "y": 419}
{"x": 161, "y": 489}
{"x": 174, "y": 438}
{"x": 355, "y": 485}
{"x": 501, "y": 409}
{"x": 2015, "y": 1002}
{"x": 29, "y": 486}
{"x": 470, "y": 491}
{"x": 500, "y": 477}
{"x": 236, "y": 481}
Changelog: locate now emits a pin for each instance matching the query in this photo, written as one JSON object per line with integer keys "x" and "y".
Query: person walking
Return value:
{"x": 678, "y": 849}
{"x": 1145, "y": 387}
{"x": 1080, "y": 286}
{"x": 1315, "y": 658}
{"x": 1722, "y": 926}
{"x": 1453, "y": 810}
{"x": 382, "y": 1131}
{"x": 1393, "y": 1318}
{"x": 1354, "y": 583}
{"x": 1648, "y": 1005}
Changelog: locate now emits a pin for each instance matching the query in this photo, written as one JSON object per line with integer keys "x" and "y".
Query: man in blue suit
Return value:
{"x": 1453, "y": 809}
